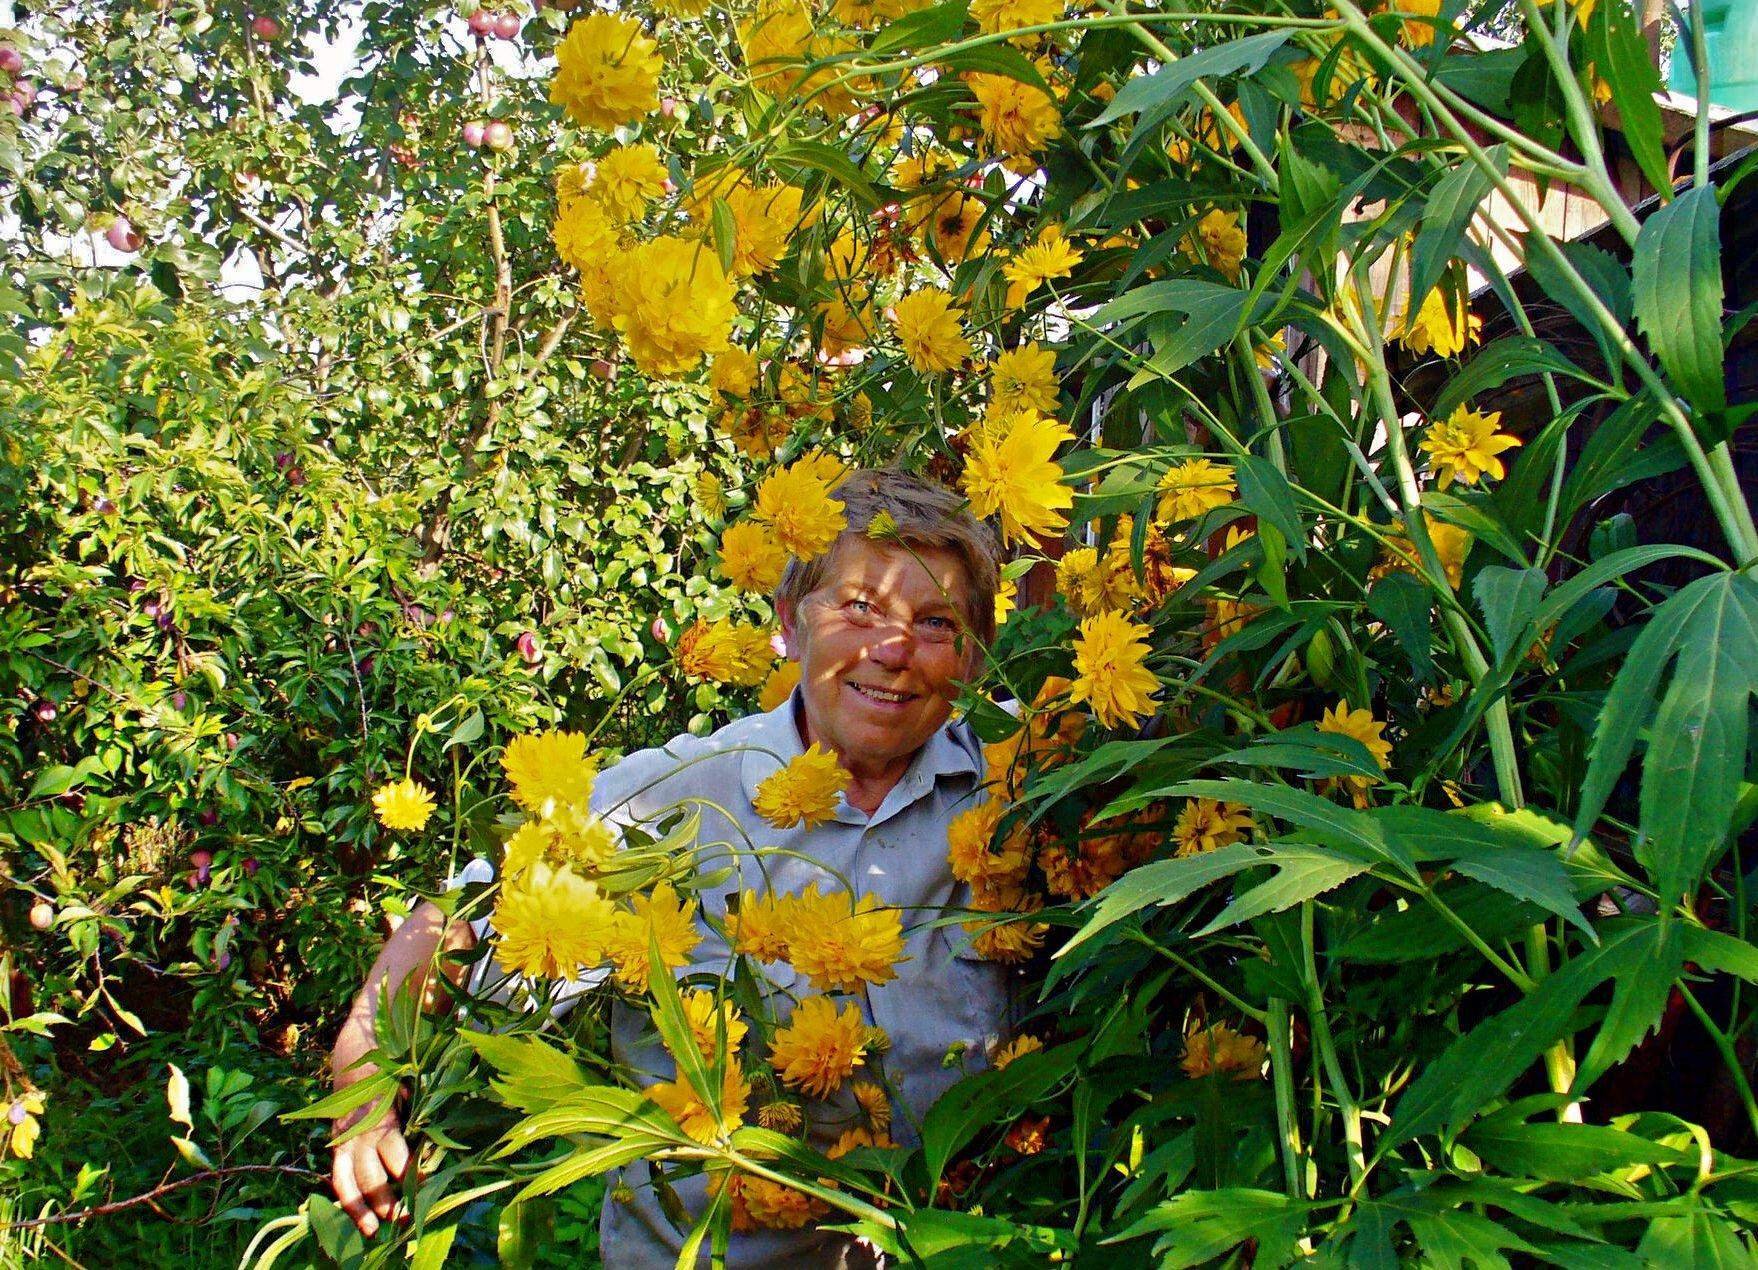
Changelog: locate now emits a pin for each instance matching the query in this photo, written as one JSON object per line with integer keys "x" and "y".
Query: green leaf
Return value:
{"x": 1561, "y": 1152}
{"x": 1266, "y": 492}
{"x": 923, "y": 29}
{"x": 994, "y": 59}
{"x": 530, "y": 1075}
{"x": 789, "y": 159}
{"x": 1508, "y": 599}
{"x": 1697, "y": 747}
{"x": 1403, "y": 603}
{"x": 1158, "y": 95}
{"x": 1200, "y": 1226}
{"x": 1483, "y": 1063}
{"x": 1677, "y": 294}
{"x": 1161, "y": 882}
{"x": 1626, "y": 65}
{"x": 1450, "y": 208}
{"x": 1496, "y": 363}
{"x": 674, "y": 1028}
{"x": 1701, "y": 1239}
{"x": 1302, "y": 872}
{"x": 977, "y": 1102}
{"x": 469, "y": 729}
{"x": 725, "y": 230}
{"x": 1638, "y": 1000}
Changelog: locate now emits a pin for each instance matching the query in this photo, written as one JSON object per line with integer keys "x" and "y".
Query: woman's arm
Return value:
{"x": 365, "y": 1167}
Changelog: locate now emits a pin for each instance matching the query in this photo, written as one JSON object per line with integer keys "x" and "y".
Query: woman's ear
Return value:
{"x": 786, "y": 613}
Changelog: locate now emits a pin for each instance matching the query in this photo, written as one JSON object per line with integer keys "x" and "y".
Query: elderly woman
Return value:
{"x": 883, "y": 629}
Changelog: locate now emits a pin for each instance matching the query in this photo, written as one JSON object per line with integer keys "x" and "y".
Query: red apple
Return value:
{"x": 250, "y": 866}
{"x": 474, "y": 131}
{"x": 42, "y": 915}
{"x": 603, "y": 369}
{"x": 506, "y": 26}
{"x": 498, "y": 137}
{"x": 265, "y": 28}
{"x": 18, "y": 108}
{"x": 122, "y": 236}
{"x": 668, "y": 107}
{"x": 528, "y": 649}
{"x": 45, "y": 711}
{"x": 482, "y": 23}
{"x": 11, "y": 60}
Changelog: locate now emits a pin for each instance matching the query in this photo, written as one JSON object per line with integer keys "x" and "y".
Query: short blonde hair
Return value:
{"x": 927, "y": 516}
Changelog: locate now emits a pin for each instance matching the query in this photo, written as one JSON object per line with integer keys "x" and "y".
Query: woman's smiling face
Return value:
{"x": 880, "y": 645}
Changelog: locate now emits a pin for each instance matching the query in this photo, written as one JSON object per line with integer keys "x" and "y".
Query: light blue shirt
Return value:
{"x": 944, "y": 997}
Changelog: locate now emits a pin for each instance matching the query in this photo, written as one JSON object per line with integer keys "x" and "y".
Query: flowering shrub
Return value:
{"x": 1369, "y": 829}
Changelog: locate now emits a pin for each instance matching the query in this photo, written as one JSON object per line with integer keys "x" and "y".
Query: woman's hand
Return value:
{"x": 367, "y": 1168}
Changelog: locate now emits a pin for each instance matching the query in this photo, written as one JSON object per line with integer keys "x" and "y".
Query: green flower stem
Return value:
{"x": 1208, "y": 981}
{"x": 1519, "y": 978}
{"x": 1282, "y": 1078}
{"x": 1729, "y": 1056}
{"x": 1347, "y": 1107}
{"x": 1583, "y": 124}
{"x": 1700, "y": 124}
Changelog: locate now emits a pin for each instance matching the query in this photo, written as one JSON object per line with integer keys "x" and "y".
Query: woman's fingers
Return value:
{"x": 375, "y": 1188}
{"x": 348, "y": 1195}
{"x": 394, "y": 1151}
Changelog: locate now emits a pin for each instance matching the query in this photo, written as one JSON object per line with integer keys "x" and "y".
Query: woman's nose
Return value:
{"x": 890, "y": 647}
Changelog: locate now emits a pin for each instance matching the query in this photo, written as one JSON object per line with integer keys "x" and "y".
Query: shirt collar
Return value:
{"x": 774, "y": 741}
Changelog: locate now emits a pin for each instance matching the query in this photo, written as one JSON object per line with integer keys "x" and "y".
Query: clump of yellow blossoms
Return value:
{"x": 1219, "y": 1050}
{"x": 1207, "y": 823}
{"x": 1442, "y": 324}
{"x": 549, "y": 770}
{"x": 662, "y": 916}
{"x": 795, "y": 503}
{"x": 1018, "y": 120}
{"x": 694, "y": 1116}
{"x": 1011, "y": 473}
{"x": 839, "y": 949}
{"x": 1111, "y": 674}
{"x": 711, "y": 1020}
{"x": 803, "y": 793}
{"x": 973, "y": 854}
{"x": 405, "y": 804}
{"x": 1193, "y": 487}
{"x": 751, "y": 558}
{"x": 1218, "y": 239}
{"x": 820, "y": 1047}
{"x": 1362, "y": 726}
{"x": 1465, "y": 447}
{"x": 931, "y": 331}
{"x": 779, "y": 686}
{"x": 607, "y": 72}
{"x": 551, "y": 924}
{"x": 672, "y": 303}
{"x": 726, "y": 652}
{"x": 1024, "y": 378}
{"x": 628, "y": 178}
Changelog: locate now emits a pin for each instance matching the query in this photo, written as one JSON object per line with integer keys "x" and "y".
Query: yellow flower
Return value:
{"x": 709, "y": 1019}
{"x": 583, "y": 234}
{"x": 765, "y": 219}
{"x": 931, "y": 330}
{"x": 874, "y": 1104}
{"x": 955, "y": 226}
{"x": 1018, "y": 120}
{"x": 1363, "y": 727}
{"x": 1194, "y": 487}
{"x": 1111, "y": 673}
{"x": 570, "y": 836}
{"x": 672, "y": 302}
{"x": 756, "y": 430}
{"x": 771, "y": 1206}
{"x": 750, "y": 557}
{"x": 1011, "y": 472}
{"x": 1222, "y": 242}
{"x": 996, "y": 16}
{"x": 1219, "y": 1050}
{"x": 548, "y": 770}
{"x": 710, "y": 495}
{"x": 1443, "y": 324}
{"x": 21, "y": 1127}
{"x": 1415, "y": 32}
{"x": 1094, "y": 584}
{"x": 805, "y": 792}
{"x": 1006, "y": 600}
{"x": 607, "y": 72}
{"x": 783, "y": 1117}
{"x": 683, "y": 8}
{"x": 1010, "y": 941}
{"x": 840, "y": 950}
{"x": 726, "y": 652}
{"x": 780, "y": 42}
{"x": 1024, "y": 378}
{"x": 683, "y": 1104}
{"x": 662, "y": 915}
{"x": 629, "y": 177}
{"x": 820, "y": 1046}
{"x": 779, "y": 686}
{"x": 859, "y": 1136}
{"x": 759, "y": 928}
{"x": 1051, "y": 257}
{"x": 1463, "y": 447}
{"x": 866, "y": 13}
{"x": 1207, "y": 823}
{"x": 733, "y": 373}
{"x": 551, "y": 923}
{"x": 795, "y": 503}
{"x": 403, "y": 805}
{"x": 845, "y": 326}
{"x": 1018, "y": 1047}
{"x": 969, "y": 837}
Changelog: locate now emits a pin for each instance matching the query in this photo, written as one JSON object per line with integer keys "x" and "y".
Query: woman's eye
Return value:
{"x": 860, "y": 607}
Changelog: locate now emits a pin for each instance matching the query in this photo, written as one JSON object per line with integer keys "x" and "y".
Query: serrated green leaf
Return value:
{"x": 1677, "y": 294}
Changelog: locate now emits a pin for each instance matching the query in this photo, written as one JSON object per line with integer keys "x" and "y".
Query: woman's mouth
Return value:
{"x": 882, "y": 696}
